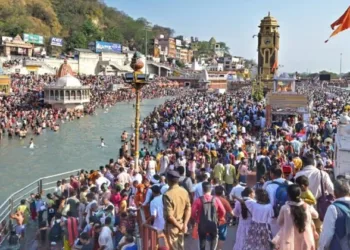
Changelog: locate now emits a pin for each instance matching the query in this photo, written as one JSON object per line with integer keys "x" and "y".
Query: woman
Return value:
{"x": 296, "y": 226}
{"x": 245, "y": 218}
{"x": 259, "y": 233}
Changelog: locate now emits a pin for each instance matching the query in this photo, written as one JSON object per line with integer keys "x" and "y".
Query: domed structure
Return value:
{"x": 269, "y": 21}
{"x": 212, "y": 41}
{"x": 68, "y": 81}
{"x": 67, "y": 92}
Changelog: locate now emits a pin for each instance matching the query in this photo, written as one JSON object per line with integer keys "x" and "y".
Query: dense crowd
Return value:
{"x": 23, "y": 111}
{"x": 208, "y": 162}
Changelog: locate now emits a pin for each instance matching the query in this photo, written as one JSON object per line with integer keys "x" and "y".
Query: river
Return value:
{"x": 74, "y": 146}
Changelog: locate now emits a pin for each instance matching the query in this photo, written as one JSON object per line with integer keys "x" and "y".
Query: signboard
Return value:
{"x": 108, "y": 47}
{"x": 178, "y": 42}
{"x": 32, "y": 38}
{"x": 6, "y": 39}
{"x": 55, "y": 41}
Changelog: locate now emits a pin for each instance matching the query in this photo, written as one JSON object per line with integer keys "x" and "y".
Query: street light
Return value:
{"x": 137, "y": 80}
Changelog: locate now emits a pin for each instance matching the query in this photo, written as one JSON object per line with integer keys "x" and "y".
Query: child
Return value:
{"x": 306, "y": 194}
{"x": 23, "y": 208}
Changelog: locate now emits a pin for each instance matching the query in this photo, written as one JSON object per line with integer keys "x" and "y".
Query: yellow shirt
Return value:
{"x": 308, "y": 197}
{"x": 240, "y": 156}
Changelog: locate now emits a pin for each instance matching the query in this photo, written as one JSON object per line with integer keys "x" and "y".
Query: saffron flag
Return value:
{"x": 343, "y": 23}
{"x": 275, "y": 64}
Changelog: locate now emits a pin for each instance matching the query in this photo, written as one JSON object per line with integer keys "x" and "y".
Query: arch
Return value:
{"x": 74, "y": 95}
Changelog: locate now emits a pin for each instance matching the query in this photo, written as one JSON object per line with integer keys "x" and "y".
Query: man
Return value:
{"x": 219, "y": 194}
{"x": 219, "y": 171}
{"x": 105, "y": 238}
{"x": 184, "y": 181}
{"x": 177, "y": 212}
{"x": 335, "y": 234}
{"x": 197, "y": 189}
{"x": 123, "y": 177}
{"x": 200, "y": 209}
{"x": 156, "y": 209}
{"x": 271, "y": 188}
{"x": 236, "y": 191}
{"x": 314, "y": 175}
{"x": 155, "y": 181}
{"x": 164, "y": 163}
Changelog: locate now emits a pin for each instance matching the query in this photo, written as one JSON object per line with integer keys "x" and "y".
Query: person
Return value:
{"x": 315, "y": 176}
{"x": 259, "y": 233}
{"x": 229, "y": 177}
{"x": 31, "y": 143}
{"x": 245, "y": 218}
{"x": 219, "y": 194}
{"x": 105, "y": 238}
{"x": 296, "y": 225}
{"x": 277, "y": 192}
{"x": 83, "y": 242}
{"x": 156, "y": 209}
{"x": 219, "y": 171}
{"x": 205, "y": 206}
{"x": 70, "y": 226}
{"x": 236, "y": 191}
{"x": 335, "y": 235}
{"x": 306, "y": 194}
{"x": 177, "y": 212}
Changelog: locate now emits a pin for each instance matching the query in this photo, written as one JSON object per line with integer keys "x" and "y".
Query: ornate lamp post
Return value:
{"x": 137, "y": 79}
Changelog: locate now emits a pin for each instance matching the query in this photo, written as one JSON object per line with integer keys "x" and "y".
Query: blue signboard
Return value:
{"x": 107, "y": 47}
{"x": 55, "y": 41}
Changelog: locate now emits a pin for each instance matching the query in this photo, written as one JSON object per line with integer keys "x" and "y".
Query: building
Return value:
{"x": 67, "y": 92}
{"x": 233, "y": 63}
{"x": 16, "y": 46}
{"x": 268, "y": 47}
{"x": 168, "y": 44}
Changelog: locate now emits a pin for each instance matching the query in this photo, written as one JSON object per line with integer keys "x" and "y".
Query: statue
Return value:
{"x": 136, "y": 62}
{"x": 64, "y": 70}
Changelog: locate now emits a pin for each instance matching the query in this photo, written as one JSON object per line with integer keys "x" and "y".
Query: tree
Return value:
{"x": 180, "y": 64}
{"x": 113, "y": 35}
{"x": 76, "y": 40}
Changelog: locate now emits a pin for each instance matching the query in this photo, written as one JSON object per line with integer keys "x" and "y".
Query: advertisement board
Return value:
{"x": 55, "y": 41}
{"x": 32, "y": 38}
{"x": 178, "y": 42}
{"x": 6, "y": 39}
{"x": 107, "y": 47}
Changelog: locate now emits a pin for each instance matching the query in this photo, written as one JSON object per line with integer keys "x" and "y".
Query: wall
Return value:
{"x": 88, "y": 63}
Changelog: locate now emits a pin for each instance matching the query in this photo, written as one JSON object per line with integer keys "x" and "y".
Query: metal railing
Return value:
{"x": 150, "y": 237}
{"x": 40, "y": 186}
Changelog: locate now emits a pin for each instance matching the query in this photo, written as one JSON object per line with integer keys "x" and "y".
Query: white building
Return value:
{"x": 67, "y": 93}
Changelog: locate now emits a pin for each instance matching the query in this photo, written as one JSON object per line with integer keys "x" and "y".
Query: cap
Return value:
{"x": 172, "y": 174}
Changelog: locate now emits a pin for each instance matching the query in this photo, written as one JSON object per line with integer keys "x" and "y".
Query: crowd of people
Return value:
{"x": 23, "y": 112}
{"x": 209, "y": 162}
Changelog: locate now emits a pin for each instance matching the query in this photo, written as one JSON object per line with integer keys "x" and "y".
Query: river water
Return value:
{"x": 74, "y": 146}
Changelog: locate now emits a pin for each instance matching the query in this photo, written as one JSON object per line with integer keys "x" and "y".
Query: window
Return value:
{"x": 267, "y": 55}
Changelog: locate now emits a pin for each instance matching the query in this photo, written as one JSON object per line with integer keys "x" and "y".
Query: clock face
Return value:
{"x": 267, "y": 41}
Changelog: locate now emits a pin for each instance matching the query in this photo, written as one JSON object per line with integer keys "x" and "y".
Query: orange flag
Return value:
{"x": 275, "y": 64}
{"x": 343, "y": 23}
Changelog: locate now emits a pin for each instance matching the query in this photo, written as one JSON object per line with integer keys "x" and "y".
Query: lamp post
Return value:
{"x": 137, "y": 79}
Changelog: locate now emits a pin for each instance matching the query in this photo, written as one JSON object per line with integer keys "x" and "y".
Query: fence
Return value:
{"x": 150, "y": 236}
{"x": 10, "y": 205}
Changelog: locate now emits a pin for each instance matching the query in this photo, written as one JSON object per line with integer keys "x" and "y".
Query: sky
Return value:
{"x": 304, "y": 26}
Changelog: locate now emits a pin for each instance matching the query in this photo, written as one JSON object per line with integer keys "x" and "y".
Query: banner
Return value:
{"x": 55, "y": 41}
{"x": 32, "y": 38}
{"x": 108, "y": 47}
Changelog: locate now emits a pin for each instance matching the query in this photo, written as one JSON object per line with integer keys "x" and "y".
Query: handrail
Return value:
{"x": 13, "y": 201}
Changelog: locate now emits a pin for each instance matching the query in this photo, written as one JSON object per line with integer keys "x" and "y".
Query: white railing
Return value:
{"x": 40, "y": 186}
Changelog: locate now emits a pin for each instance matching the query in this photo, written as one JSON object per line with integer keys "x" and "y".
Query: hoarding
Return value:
{"x": 55, "y": 41}
{"x": 6, "y": 39}
{"x": 107, "y": 47}
{"x": 178, "y": 42}
{"x": 32, "y": 38}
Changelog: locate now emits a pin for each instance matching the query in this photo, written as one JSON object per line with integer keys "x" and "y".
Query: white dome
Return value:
{"x": 68, "y": 81}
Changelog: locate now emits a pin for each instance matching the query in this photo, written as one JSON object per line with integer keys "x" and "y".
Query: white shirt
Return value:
{"x": 329, "y": 220}
{"x": 88, "y": 211}
{"x": 164, "y": 163}
{"x": 164, "y": 188}
{"x": 271, "y": 188}
{"x": 105, "y": 238}
{"x": 260, "y": 213}
{"x": 149, "y": 194}
{"x": 123, "y": 178}
{"x": 151, "y": 169}
{"x": 156, "y": 210}
{"x": 314, "y": 176}
{"x": 101, "y": 180}
{"x": 137, "y": 177}
{"x": 237, "y": 191}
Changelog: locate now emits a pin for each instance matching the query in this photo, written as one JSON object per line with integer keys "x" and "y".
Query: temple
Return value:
{"x": 67, "y": 92}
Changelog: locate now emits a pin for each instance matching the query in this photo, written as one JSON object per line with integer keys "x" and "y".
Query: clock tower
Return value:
{"x": 268, "y": 46}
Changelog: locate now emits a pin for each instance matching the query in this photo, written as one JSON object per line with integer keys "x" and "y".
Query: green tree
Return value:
{"x": 113, "y": 35}
{"x": 77, "y": 40}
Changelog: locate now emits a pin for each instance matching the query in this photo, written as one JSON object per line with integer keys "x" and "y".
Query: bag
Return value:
{"x": 345, "y": 241}
{"x": 281, "y": 197}
{"x": 323, "y": 201}
{"x": 55, "y": 234}
{"x": 208, "y": 223}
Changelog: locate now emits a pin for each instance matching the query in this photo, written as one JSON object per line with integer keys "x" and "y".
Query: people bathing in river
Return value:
{"x": 31, "y": 143}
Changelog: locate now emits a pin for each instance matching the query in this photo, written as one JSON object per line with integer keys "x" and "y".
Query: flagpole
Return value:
{"x": 341, "y": 55}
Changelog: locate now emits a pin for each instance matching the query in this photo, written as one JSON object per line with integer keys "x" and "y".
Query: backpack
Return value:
{"x": 55, "y": 234}
{"x": 208, "y": 223}
{"x": 281, "y": 197}
{"x": 345, "y": 241}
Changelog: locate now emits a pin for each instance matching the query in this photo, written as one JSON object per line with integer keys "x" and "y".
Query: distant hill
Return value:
{"x": 77, "y": 21}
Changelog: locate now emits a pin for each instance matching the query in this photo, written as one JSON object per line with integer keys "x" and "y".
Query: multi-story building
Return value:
{"x": 167, "y": 44}
{"x": 233, "y": 63}
{"x": 184, "y": 55}
{"x": 190, "y": 56}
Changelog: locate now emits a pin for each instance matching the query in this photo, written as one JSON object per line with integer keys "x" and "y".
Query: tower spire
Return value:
{"x": 269, "y": 13}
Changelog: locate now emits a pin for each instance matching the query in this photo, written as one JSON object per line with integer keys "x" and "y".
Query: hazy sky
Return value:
{"x": 305, "y": 25}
